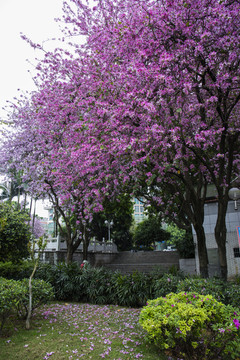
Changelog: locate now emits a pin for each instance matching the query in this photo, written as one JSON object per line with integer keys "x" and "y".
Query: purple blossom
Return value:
{"x": 221, "y": 330}
{"x": 236, "y": 323}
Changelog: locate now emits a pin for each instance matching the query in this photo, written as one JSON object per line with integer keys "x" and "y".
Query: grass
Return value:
{"x": 78, "y": 331}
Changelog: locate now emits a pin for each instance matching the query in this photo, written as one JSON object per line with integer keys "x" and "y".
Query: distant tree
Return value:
{"x": 148, "y": 232}
{"x": 37, "y": 228}
{"x": 13, "y": 187}
{"x": 120, "y": 212}
{"x": 15, "y": 233}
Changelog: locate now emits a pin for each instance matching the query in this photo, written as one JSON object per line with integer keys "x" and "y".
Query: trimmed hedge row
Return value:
{"x": 102, "y": 286}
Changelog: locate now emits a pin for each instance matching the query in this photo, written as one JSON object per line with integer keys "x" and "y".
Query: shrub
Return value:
{"x": 236, "y": 279}
{"x": 101, "y": 285}
{"x": 14, "y": 297}
{"x": 66, "y": 280}
{"x": 202, "y": 286}
{"x": 192, "y": 326}
{"x": 10, "y": 296}
{"x": 132, "y": 289}
{"x": 228, "y": 293}
{"x": 19, "y": 271}
{"x": 42, "y": 293}
{"x": 98, "y": 285}
{"x": 232, "y": 295}
{"x": 46, "y": 272}
{"x": 166, "y": 284}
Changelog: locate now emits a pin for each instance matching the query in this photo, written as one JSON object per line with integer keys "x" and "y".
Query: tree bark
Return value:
{"x": 29, "y": 314}
{"x": 70, "y": 251}
{"x": 221, "y": 237}
{"x": 86, "y": 240}
{"x": 202, "y": 250}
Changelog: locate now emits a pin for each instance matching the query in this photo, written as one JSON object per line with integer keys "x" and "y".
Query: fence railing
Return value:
{"x": 58, "y": 244}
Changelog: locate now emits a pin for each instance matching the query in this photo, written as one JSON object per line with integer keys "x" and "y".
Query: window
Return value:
{"x": 236, "y": 252}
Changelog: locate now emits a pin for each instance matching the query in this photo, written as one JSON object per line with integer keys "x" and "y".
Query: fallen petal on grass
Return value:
{"x": 81, "y": 331}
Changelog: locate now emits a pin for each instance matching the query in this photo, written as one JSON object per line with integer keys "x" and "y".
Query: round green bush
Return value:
{"x": 193, "y": 326}
{"x": 42, "y": 293}
{"x": 10, "y": 296}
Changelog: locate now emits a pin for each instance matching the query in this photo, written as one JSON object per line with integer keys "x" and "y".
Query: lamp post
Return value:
{"x": 109, "y": 225}
{"x": 234, "y": 194}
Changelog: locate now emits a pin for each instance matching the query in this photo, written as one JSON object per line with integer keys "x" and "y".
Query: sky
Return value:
{"x": 35, "y": 19}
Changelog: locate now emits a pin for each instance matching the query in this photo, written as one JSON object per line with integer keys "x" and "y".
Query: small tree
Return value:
{"x": 41, "y": 243}
{"x": 15, "y": 233}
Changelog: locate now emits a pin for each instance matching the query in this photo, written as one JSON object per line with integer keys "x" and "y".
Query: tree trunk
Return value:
{"x": 202, "y": 250}
{"x": 70, "y": 251}
{"x": 29, "y": 314}
{"x": 30, "y": 211}
{"x": 72, "y": 245}
{"x": 34, "y": 215}
{"x": 223, "y": 260}
{"x": 85, "y": 251}
{"x": 221, "y": 237}
{"x": 25, "y": 201}
{"x": 86, "y": 240}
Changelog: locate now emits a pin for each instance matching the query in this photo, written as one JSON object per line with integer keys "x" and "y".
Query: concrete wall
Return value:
{"x": 188, "y": 266}
{"x": 126, "y": 261}
{"x": 144, "y": 261}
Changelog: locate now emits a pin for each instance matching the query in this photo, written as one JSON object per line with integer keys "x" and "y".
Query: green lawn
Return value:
{"x": 78, "y": 331}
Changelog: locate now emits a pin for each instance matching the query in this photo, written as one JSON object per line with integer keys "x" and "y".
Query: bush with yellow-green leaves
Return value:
{"x": 193, "y": 326}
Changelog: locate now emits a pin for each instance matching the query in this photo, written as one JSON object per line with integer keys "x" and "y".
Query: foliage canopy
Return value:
{"x": 15, "y": 233}
{"x": 148, "y": 232}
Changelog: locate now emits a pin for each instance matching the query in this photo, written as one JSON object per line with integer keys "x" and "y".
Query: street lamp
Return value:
{"x": 234, "y": 194}
{"x": 109, "y": 225}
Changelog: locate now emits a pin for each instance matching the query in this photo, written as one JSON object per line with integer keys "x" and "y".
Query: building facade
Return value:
{"x": 232, "y": 244}
{"x": 138, "y": 211}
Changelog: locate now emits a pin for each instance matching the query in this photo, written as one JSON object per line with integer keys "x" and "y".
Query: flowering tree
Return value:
{"x": 37, "y": 228}
{"x": 153, "y": 95}
{"x": 57, "y": 155}
{"x": 36, "y": 152}
{"x": 168, "y": 76}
